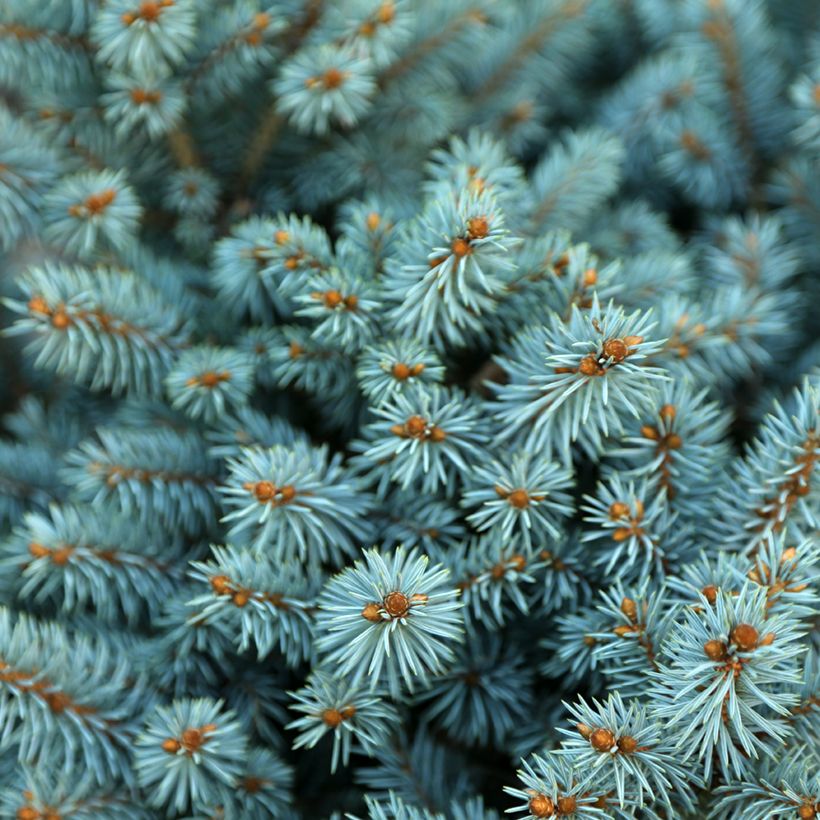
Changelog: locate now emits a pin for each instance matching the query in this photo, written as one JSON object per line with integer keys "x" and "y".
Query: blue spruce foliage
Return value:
{"x": 409, "y": 409}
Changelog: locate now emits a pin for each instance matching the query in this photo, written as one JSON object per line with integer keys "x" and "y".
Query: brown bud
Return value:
{"x": 588, "y": 366}
{"x": 710, "y": 593}
{"x": 627, "y": 744}
{"x": 567, "y": 805}
{"x": 541, "y": 806}
{"x": 172, "y": 746}
{"x": 478, "y": 227}
{"x": 332, "y": 717}
{"x": 674, "y": 441}
{"x": 767, "y": 639}
{"x": 333, "y": 78}
{"x": 221, "y": 584}
{"x": 647, "y": 431}
{"x": 38, "y": 550}
{"x": 618, "y": 509}
{"x": 396, "y": 604}
{"x": 330, "y": 298}
{"x": 386, "y": 12}
{"x": 615, "y": 349}
{"x": 590, "y": 277}
{"x": 264, "y": 490}
{"x": 192, "y": 739}
{"x": 630, "y": 609}
{"x": 460, "y": 247}
{"x": 602, "y": 740}
{"x": 415, "y": 426}
{"x": 251, "y": 784}
{"x": 668, "y": 412}
{"x": 715, "y": 650}
{"x": 400, "y": 371}
{"x": 583, "y": 730}
{"x": 745, "y": 637}
{"x": 372, "y": 613}
{"x": 518, "y": 499}
{"x": 373, "y": 221}
{"x": 60, "y": 319}
{"x": 807, "y": 812}
{"x": 437, "y": 435}
{"x": 39, "y": 305}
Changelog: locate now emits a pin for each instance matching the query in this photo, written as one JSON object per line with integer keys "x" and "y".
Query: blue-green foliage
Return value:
{"x": 396, "y": 395}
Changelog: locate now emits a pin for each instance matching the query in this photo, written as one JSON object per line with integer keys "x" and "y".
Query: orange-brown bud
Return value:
{"x": 668, "y": 412}
{"x": 221, "y": 584}
{"x": 38, "y": 550}
{"x": 602, "y": 740}
{"x": 615, "y": 349}
{"x": 460, "y": 247}
{"x": 715, "y": 650}
{"x": 674, "y": 441}
{"x": 386, "y": 12}
{"x": 518, "y": 499}
{"x": 416, "y": 426}
{"x": 396, "y": 604}
{"x": 171, "y": 746}
{"x": 567, "y": 805}
{"x": 264, "y": 490}
{"x": 333, "y": 78}
{"x": 332, "y": 717}
{"x": 61, "y": 320}
{"x": 541, "y": 806}
{"x": 627, "y": 744}
{"x": 588, "y": 366}
{"x": 478, "y": 227}
{"x": 630, "y": 609}
{"x": 437, "y": 435}
{"x": 192, "y": 739}
{"x": 618, "y": 509}
{"x": 745, "y": 637}
{"x": 372, "y": 613}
